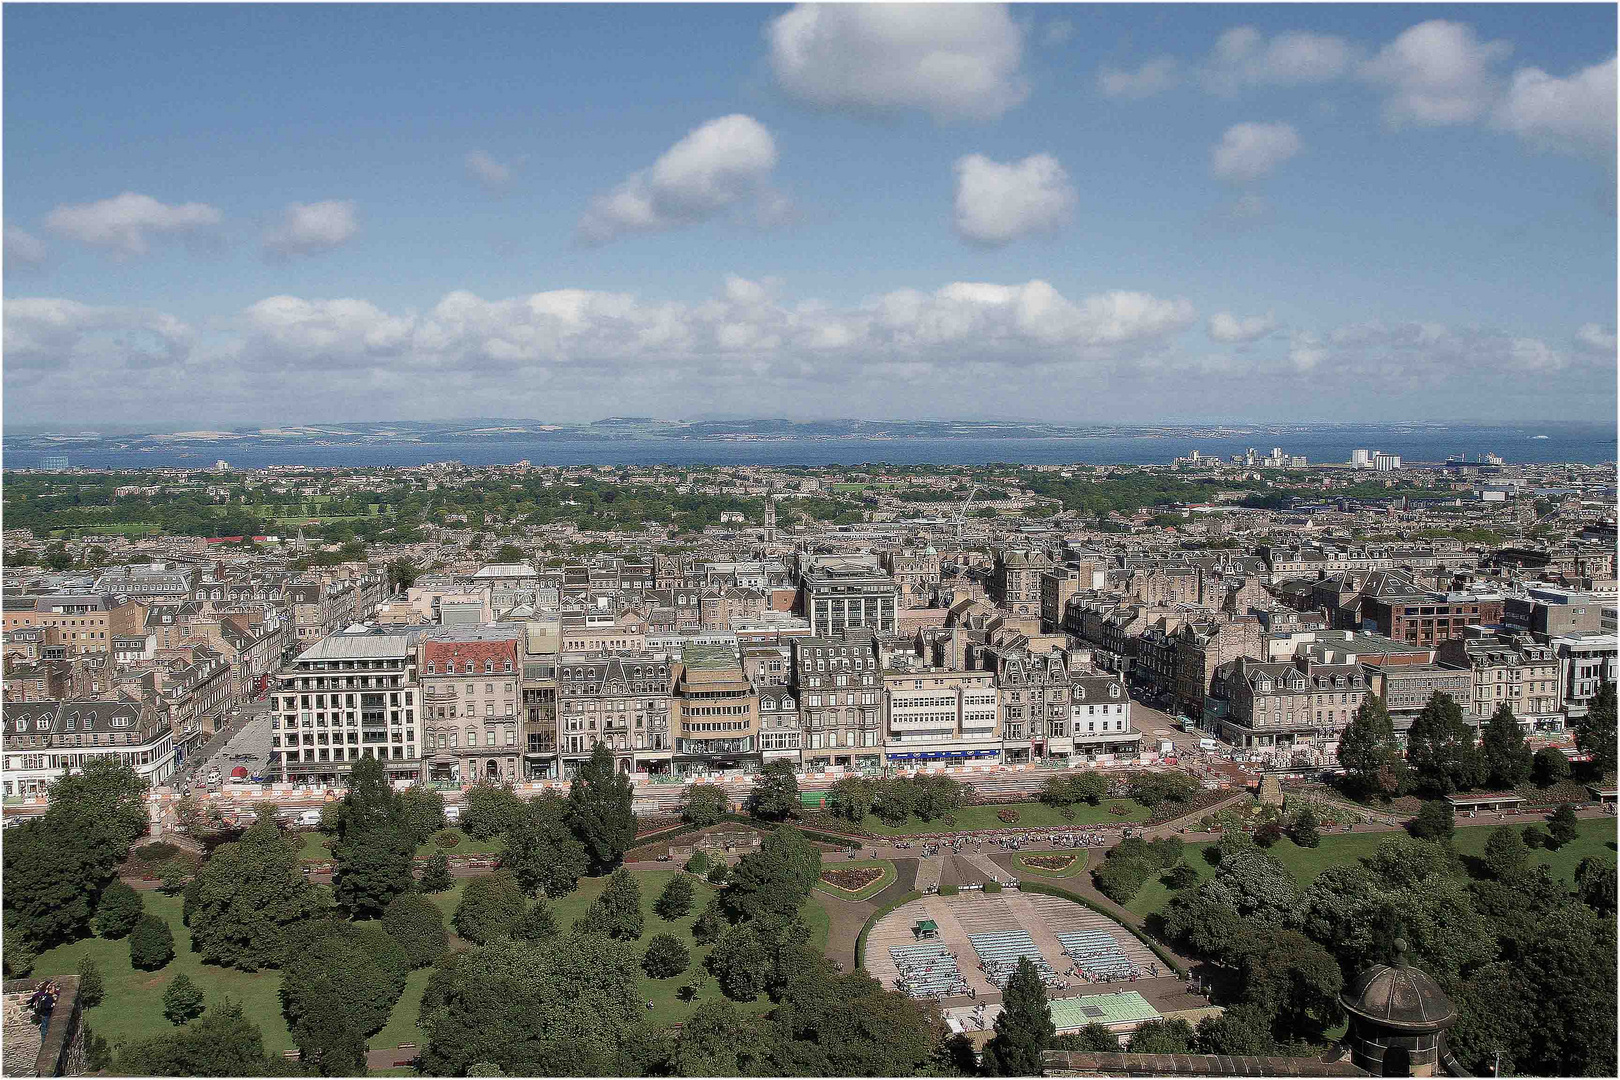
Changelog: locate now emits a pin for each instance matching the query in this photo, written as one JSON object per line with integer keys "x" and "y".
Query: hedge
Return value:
{"x": 860, "y": 940}
{"x": 1054, "y": 890}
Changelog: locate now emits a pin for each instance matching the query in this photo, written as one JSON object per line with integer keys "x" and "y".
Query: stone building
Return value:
{"x": 351, "y": 693}
{"x": 472, "y": 696}
{"x": 1015, "y": 581}
{"x": 715, "y": 713}
{"x": 1511, "y": 669}
{"x": 621, "y": 700}
{"x": 840, "y": 695}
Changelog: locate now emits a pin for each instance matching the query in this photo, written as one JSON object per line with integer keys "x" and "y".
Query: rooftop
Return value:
{"x": 1126, "y": 1007}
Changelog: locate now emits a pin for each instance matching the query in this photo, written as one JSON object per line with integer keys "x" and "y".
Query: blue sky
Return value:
{"x": 221, "y": 214}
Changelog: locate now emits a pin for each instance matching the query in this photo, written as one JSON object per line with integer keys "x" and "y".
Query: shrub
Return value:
{"x": 118, "y": 911}
{"x": 537, "y": 924}
{"x": 667, "y": 956}
{"x": 489, "y": 810}
{"x": 449, "y": 838}
{"x": 1120, "y": 879}
{"x": 174, "y": 875}
{"x": 1008, "y": 814}
{"x": 1305, "y": 832}
{"x": 706, "y": 804}
{"x": 1181, "y": 876}
{"x": 154, "y": 854}
{"x": 947, "y": 890}
{"x": 151, "y": 944}
{"x": 1537, "y": 837}
{"x": 91, "y": 987}
{"x": 710, "y": 925}
{"x": 697, "y": 864}
{"x": 418, "y": 925}
{"x": 992, "y": 886}
{"x": 718, "y": 873}
{"x": 1268, "y": 834}
{"x": 1436, "y": 820}
{"x": 1563, "y": 828}
{"x": 182, "y": 1001}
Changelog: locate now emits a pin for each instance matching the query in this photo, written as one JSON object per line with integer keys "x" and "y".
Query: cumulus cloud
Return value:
{"x": 51, "y": 333}
{"x": 1244, "y": 57}
{"x": 1437, "y": 72}
{"x": 124, "y": 223}
{"x": 955, "y": 61}
{"x": 1573, "y": 115}
{"x": 1596, "y": 338}
{"x": 23, "y": 249}
{"x": 721, "y": 165}
{"x": 491, "y": 174}
{"x": 1232, "y": 329}
{"x": 311, "y": 228}
{"x": 1153, "y": 77}
{"x": 1249, "y": 151}
{"x": 997, "y": 203}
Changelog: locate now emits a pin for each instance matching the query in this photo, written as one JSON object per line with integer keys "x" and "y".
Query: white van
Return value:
{"x": 309, "y": 819}
{"x": 1208, "y": 744}
{"x": 452, "y": 814}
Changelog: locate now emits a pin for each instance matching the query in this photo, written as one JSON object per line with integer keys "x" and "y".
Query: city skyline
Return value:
{"x": 1080, "y": 214}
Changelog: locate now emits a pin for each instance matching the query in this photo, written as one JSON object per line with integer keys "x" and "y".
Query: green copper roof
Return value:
{"x": 1127, "y": 1007}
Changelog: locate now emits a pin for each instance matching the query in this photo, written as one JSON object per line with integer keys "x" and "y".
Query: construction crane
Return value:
{"x": 959, "y": 521}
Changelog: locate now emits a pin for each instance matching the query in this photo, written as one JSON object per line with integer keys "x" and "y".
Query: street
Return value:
{"x": 245, "y": 742}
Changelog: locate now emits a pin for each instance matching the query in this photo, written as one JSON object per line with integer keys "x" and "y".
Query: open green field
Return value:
{"x": 134, "y": 528}
{"x": 133, "y": 1006}
{"x": 1596, "y": 837}
{"x": 1031, "y": 815}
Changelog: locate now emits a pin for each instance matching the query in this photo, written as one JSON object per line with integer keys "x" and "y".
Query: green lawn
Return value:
{"x": 1031, "y": 815}
{"x": 1596, "y": 837}
{"x": 865, "y": 891}
{"x": 133, "y": 1005}
{"x": 312, "y": 847}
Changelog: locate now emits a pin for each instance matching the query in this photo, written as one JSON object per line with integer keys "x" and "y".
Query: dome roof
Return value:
{"x": 1401, "y": 997}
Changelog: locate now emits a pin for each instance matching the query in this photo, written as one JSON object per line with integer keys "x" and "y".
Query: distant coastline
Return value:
{"x": 639, "y": 441}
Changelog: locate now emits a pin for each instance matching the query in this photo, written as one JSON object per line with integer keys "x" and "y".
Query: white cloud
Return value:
{"x": 1249, "y": 151}
{"x": 487, "y": 171}
{"x": 123, "y": 223}
{"x": 1233, "y": 329}
{"x": 311, "y": 228}
{"x": 1437, "y": 72}
{"x": 997, "y": 203}
{"x": 49, "y": 333}
{"x": 956, "y": 61}
{"x": 23, "y": 249}
{"x": 1153, "y": 77}
{"x": 1596, "y": 338}
{"x": 724, "y": 164}
{"x": 1244, "y": 57}
{"x": 1574, "y": 115}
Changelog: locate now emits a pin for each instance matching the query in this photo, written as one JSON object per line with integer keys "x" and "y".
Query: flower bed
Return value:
{"x": 1169, "y": 811}
{"x": 851, "y": 878}
{"x": 1007, "y": 814}
{"x": 1049, "y": 862}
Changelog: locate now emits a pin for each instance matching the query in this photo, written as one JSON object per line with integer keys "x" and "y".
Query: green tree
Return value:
{"x": 1162, "y": 1037}
{"x": 118, "y": 911}
{"x": 1436, "y": 820}
{"x": 1024, "y": 1027}
{"x": 770, "y": 884}
{"x": 423, "y": 811}
{"x": 1242, "y": 1030}
{"x": 542, "y": 852}
{"x": 1374, "y": 767}
{"x": 1562, "y": 827}
{"x": 710, "y": 925}
{"x": 174, "y": 875}
{"x": 489, "y": 907}
{"x": 568, "y": 1005}
{"x": 1296, "y": 982}
{"x": 92, "y": 988}
{"x": 1507, "y": 758}
{"x": 1441, "y": 750}
{"x": 1595, "y": 733}
{"x": 1505, "y": 853}
{"x": 617, "y": 912}
{"x": 537, "y": 924}
{"x": 720, "y": 1040}
{"x": 222, "y": 1043}
{"x": 847, "y": 1025}
{"x": 151, "y": 944}
{"x": 1549, "y": 766}
{"x": 740, "y": 963}
{"x": 182, "y": 1001}
{"x": 675, "y": 901}
{"x": 339, "y": 984}
{"x": 1595, "y": 885}
{"x": 418, "y": 925}
{"x": 246, "y": 898}
{"x": 489, "y": 810}
{"x": 705, "y": 805}
{"x": 375, "y": 848}
{"x": 851, "y": 798}
{"x": 667, "y": 956}
{"x": 1304, "y": 830}
{"x": 1094, "y": 1037}
{"x": 776, "y": 792}
{"x": 599, "y": 810}
{"x": 436, "y": 875}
